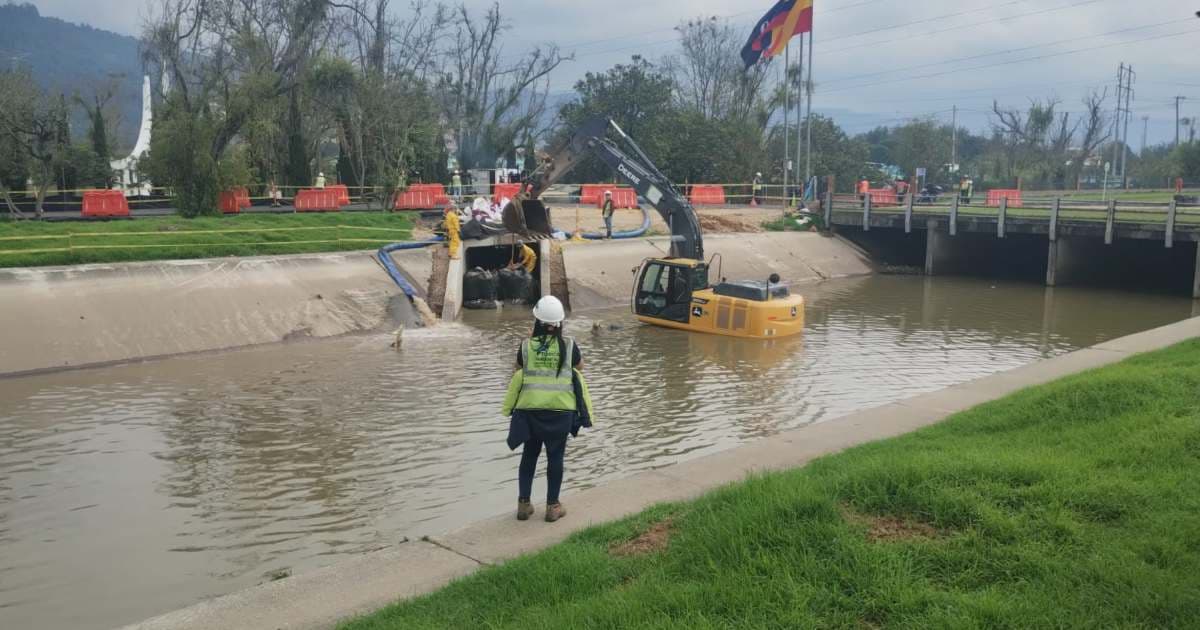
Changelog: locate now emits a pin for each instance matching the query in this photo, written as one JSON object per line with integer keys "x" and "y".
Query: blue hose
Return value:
{"x": 390, "y": 266}
{"x": 596, "y": 236}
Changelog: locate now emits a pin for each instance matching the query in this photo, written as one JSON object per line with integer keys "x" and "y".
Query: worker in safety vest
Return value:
{"x": 547, "y": 400}
{"x": 607, "y": 212}
{"x": 864, "y": 188}
{"x": 320, "y": 183}
{"x": 756, "y": 190}
{"x": 453, "y": 231}
{"x": 456, "y": 185}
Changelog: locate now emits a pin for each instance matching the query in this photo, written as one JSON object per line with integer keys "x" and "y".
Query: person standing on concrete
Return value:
{"x": 547, "y": 400}
{"x": 607, "y": 211}
{"x": 456, "y": 186}
{"x": 320, "y": 183}
{"x": 453, "y": 231}
{"x": 756, "y": 190}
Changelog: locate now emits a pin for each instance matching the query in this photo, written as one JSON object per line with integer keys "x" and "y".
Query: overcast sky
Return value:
{"x": 876, "y": 59}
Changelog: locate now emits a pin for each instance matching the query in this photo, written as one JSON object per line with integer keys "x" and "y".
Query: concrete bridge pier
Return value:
{"x": 1068, "y": 259}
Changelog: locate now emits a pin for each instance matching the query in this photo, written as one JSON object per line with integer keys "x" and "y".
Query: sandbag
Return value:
{"x": 516, "y": 286}
{"x": 480, "y": 288}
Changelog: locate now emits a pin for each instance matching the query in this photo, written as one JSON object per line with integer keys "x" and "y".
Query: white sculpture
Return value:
{"x": 125, "y": 170}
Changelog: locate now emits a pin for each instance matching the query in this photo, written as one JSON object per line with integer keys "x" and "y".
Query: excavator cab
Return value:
{"x": 665, "y": 286}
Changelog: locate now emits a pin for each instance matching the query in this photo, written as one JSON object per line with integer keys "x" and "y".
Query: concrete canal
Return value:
{"x": 131, "y": 490}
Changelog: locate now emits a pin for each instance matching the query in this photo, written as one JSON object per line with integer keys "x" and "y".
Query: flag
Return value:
{"x": 784, "y": 21}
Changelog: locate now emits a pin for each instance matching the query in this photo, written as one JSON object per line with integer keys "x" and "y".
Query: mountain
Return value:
{"x": 74, "y": 58}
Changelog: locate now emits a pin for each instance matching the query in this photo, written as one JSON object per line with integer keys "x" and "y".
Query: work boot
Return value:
{"x": 555, "y": 511}
{"x": 524, "y": 510}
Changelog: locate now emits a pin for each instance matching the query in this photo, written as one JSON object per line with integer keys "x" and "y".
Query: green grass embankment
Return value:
{"x": 1071, "y": 505}
{"x": 38, "y": 243}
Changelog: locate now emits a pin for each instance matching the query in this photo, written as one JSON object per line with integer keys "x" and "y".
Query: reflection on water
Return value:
{"x": 132, "y": 490}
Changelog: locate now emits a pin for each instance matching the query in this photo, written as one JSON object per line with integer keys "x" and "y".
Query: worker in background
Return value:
{"x": 756, "y": 190}
{"x": 275, "y": 194}
{"x": 864, "y": 188}
{"x": 547, "y": 400}
{"x": 528, "y": 259}
{"x": 453, "y": 231}
{"x": 320, "y": 183}
{"x": 901, "y": 189}
{"x": 456, "y": 184}
{"x": 964, "y": 191}
{"x": 607, "y": 211}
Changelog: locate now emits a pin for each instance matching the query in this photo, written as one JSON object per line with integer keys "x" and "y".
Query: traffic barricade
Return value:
{"x": 437, "y": 191}
{"x": 343, "y": 193}
{"x": 229, "y": 201}
{"x": 243, "y": 197}
{"x": 504, "y": 191}
{"x": 317, "y": 200}
{"x": 622, "y": 198}
{"x": 105, "y": 203}
{"x": 1013, "y": 196}
{"x": 707, "y": 195}
{"x": 414, "y": 200}
{"x": 883, "y": 197}
{"x": 591, "y": 194}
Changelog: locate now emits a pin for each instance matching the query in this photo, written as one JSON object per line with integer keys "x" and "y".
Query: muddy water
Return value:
{"x": 129, "y": 491}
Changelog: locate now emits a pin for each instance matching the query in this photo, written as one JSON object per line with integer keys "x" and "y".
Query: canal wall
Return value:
{"x": 67, "y": 317}
{"x": 322, "y": 598}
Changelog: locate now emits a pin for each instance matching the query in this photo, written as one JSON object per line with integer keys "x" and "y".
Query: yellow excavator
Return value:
{"x": 675, "y": 291}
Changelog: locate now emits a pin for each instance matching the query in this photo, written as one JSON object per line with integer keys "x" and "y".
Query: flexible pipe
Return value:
{"x": 390, "y": 265}
{"x": 596, "y": 236}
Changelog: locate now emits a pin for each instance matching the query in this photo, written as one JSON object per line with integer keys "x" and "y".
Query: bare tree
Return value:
{"x": 710, "y": 74}
{"x": 35, "y": 124}
{"x": 1095, "y": 131}
{"x": 489, "y": 103}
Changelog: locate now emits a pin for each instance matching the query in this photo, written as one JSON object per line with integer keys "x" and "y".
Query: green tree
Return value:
{"x": 834, "y": 153}
{"x": 35, "y": 123}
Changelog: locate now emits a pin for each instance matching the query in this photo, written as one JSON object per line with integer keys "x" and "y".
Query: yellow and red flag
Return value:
{"x": 784, "y": 21}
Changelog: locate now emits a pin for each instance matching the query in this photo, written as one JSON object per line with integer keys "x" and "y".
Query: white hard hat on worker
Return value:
{"x": 550, "y": 311}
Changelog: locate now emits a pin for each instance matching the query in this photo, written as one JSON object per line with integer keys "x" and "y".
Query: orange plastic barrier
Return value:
{"x": 592, "y": 194}
{"x": 504, "y": 191}
{"x": 105, "y": 203}
{"x": 1014, "y": 198}
{"x": 413, "y": 200}
{"x": 229, "y": 202}
{"x": 622, "y": 198}
{"x": 343, "y": 193}
{"x": 883, "y": 197}
{"x": 317, "y": 200}
{"x": 243, "y": 197}
{"x": 440, "y": 198}
{"x": 707, "y": 196}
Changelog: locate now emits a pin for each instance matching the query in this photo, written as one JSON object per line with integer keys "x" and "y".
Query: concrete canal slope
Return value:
{"x": 600, "y": 273}
{"x": 321, "y": 598}
{"x": 65, "y": 317}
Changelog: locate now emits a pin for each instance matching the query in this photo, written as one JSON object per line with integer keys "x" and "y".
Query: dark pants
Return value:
{"x": 555, "y": 451}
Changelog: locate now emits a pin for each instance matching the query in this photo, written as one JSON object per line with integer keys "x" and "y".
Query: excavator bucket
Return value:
{"x": 528, "y": 218}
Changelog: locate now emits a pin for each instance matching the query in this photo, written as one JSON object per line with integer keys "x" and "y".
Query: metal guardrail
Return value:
{"x": 1111, "y": 214}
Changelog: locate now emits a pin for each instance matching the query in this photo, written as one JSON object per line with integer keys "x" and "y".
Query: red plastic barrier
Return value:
{"x": 243, "y": 197}
{"x": 504, "y": 191}
{"x": 1014, "y": 198}
{"x": 229, "y": 201}
{"x": 440, "y": 198}
{"x": 591, "y": 194}
{"x": 883, "y": 197}
{"x": 317, "y": 200}
{"x": 105, "y": 203}
{"x": 343, "y": 193}
{"x": 707, "y": 196}
{"x": 622, "y": 198}
{"x": 414, "y": 200}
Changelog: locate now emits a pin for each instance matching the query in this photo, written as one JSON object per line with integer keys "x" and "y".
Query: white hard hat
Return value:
{"x": 549, "y": 311}
{"x": 758, "y": 174}
{"x": 320, "y": 174}
{"x": 608, "y": 193}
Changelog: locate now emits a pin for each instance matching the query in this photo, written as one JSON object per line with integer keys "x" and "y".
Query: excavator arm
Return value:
{"x": 639, "y": 172}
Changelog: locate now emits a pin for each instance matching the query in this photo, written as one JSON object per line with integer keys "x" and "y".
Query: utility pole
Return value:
{"x": 787, "y": 114}
{"x": 1117, "y": 119}
{"x": 954, "y": 139}
{"x": 1177, "y": 99}
{"x": 1130, "y": 77}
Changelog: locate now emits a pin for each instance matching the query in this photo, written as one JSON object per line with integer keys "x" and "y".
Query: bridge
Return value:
{"x": 1156, "y": 245}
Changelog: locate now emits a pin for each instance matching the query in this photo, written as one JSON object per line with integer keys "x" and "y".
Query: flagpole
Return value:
{"x": 787, "y": 117}
{"x": 800, "y": 110}
{"x": 808, "y": 116}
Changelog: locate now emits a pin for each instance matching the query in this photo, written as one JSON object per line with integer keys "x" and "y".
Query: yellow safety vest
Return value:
{"x": 543, "y": 385}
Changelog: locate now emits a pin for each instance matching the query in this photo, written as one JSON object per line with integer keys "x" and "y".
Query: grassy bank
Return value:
{"x": 37, "y": 243}
{"x": 1074, "y": 504}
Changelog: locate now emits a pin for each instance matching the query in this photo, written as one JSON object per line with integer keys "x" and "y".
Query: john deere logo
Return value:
{"x": 793, "y": 311}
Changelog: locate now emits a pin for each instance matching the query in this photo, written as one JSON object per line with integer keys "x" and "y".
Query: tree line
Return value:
{"x": 277, "y": 91}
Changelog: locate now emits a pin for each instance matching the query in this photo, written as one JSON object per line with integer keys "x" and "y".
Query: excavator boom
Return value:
{"x": 527, "y": 214}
